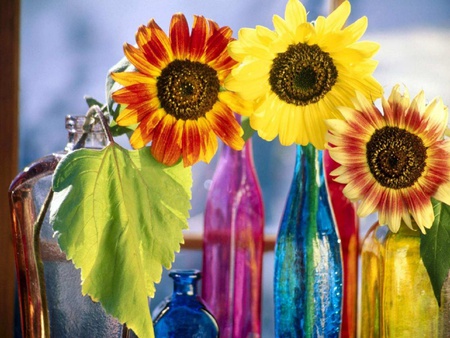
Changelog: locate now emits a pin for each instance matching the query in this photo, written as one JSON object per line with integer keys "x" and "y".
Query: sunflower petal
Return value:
{"x": 139, "y": 60}
{"x": 236, "y": 103}
{"x": 217, "y": 43}
{"x": 165, "y": 145}
{"x": 198, "y": 38}
{"x": 295, "y": 14}
{"x": 143, "y": 134}
{"x": 338, "y": 17}
{"x": 131, "y": 78}
{"x": 225, "y": 126}
{"x": 179, "y": 36}
{"x": 191, "y": 143}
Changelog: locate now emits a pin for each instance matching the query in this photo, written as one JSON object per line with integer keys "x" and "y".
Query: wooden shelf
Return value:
{"x": 194, "y": 241}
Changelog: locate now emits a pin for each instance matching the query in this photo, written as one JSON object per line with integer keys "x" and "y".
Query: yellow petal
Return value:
{"x": 338, "y": 17}
{"x": 236, "y": 103}
{"x": 295, "y": 14}
{"x": 287, "y": 126}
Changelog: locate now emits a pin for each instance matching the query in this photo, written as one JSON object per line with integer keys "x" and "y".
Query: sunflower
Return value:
{"x": 393, "y": 163}
{"x": 299, "y": 73}
{"x": 176, "y": 95}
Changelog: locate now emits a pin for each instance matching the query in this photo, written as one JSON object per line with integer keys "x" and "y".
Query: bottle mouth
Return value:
{"x": 189, "y": 273}
{"x": 74, "y": 124}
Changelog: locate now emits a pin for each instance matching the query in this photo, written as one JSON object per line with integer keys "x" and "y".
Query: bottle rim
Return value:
{"x": 193, "y": 273}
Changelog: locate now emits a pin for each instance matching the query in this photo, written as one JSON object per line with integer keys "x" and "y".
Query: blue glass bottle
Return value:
{"x": 308, "y": 264}
{"x": 183, "y": 314}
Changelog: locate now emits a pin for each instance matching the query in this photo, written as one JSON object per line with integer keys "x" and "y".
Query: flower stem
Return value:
{"x": 39, "y": 264}
{"x": 104, "y": 123}
{"x": 312, "y": 166}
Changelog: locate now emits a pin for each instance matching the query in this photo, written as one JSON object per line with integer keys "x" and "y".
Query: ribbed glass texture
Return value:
{"x": 69, "y": 313}
{"x": 348, "y": 228}
{"x": 308, "y": 265}
{"x": 233, "y": 245}
{"x": 183, "y": 314}
{"x": 397, "y": 296}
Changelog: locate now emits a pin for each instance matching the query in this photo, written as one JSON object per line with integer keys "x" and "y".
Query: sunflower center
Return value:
{"x": 396, "y": 157}
{"x": 303, "y": 74}
{"x": 188, "y": 89}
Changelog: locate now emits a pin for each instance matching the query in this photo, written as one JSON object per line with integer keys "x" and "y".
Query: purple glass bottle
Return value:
{"x": 233, "y": 245}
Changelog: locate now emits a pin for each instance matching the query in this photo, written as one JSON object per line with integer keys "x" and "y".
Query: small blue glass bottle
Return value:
{"x": 183, "y": 314}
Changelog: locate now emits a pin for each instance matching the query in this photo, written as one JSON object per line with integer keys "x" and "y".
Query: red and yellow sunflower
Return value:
{"x": 393, "y": 162}
{"x": 176, "y": 95}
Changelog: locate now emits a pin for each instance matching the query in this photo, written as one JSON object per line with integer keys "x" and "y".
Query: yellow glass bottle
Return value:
{"x": 397, "y": 298}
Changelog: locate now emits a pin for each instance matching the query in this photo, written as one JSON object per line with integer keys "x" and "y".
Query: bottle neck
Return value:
{"x": 309, "y": 159}
{"x": 229, "y": 154}
{"x": 185, "y": 282}
{"x": 94, "y": 138}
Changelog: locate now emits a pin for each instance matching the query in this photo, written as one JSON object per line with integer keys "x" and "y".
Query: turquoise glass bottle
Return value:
{"x": 308, "y": 265}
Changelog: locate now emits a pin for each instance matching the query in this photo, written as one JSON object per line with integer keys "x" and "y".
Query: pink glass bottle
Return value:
{"x": 348, "y": 225}
{"x": 233, "y": 245}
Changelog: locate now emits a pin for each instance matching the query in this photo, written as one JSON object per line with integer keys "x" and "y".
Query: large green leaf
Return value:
{"x": 119, "y": 215}
{"x": 435, "y": 248}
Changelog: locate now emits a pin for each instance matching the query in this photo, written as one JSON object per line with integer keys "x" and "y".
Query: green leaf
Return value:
{"x": 93, "y": 102}
{"x": 434, "y": 248}
{"x": 248, "y": 131}
{"x": 119, "y": 216}
{"x": 117, "y": 130}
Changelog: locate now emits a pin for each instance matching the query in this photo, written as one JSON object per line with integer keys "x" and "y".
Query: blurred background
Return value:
{"x": 68, "y": 46}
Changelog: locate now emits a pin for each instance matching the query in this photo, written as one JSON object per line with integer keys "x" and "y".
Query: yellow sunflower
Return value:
{"x": 300, "y": 72}
{"x": 393, "y": 163}
{"x": 176, "y": 94}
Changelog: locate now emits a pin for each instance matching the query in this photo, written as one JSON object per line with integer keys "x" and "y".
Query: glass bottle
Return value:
{"x": 69, "y": 314}
{"x": 397, "y": 299}
{"x": 308, "y": 266}
{"x": 348, "y": 227}
{"x": 233, "y": 245}
{"x": 183, "y": 314}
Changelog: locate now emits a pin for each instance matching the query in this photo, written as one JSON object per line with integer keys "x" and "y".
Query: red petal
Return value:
{"x": 191, "y": 143}
{"x": 166, "y": 140}
{"x": 158, "y": 48}
{"x": 179, "y": 36}
{"x": 143, "y": 36}
{"x": 225, "y": 125}
{"x": 213, "y": 27}
{"x": 217, "y": 44}
{"x": 132, "y": 94}
{"x": 198, "y": 38}
{"x": 140, "y": 61}
{"x": 146, "y": 129}
{"x": 140, "y": 137}
{"x": 134, "y": 113}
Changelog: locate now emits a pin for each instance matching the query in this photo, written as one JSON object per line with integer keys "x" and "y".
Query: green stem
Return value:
{"x": 40, "y": 219}
{"x": 39, "y": 264}
{"x": 104, "y": 123}
{"x": 311, "y": 157}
